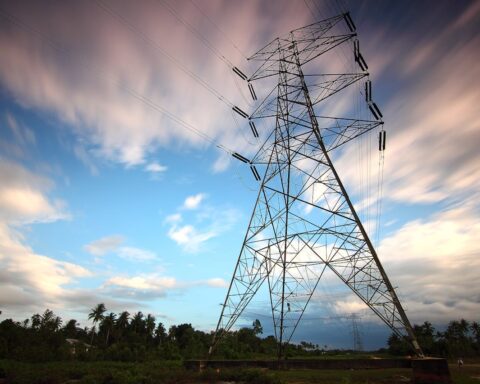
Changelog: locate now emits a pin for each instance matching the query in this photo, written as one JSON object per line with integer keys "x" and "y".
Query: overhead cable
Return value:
{"x": 157, "y": 47}
{"x": 222, "y": 33}
{"x": 144, "y": 99}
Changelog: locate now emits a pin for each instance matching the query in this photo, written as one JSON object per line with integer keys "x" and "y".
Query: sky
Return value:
{"x": 113, "y": 188}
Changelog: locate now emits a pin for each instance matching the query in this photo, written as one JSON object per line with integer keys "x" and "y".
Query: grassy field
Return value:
{"x": 172, "y": 372}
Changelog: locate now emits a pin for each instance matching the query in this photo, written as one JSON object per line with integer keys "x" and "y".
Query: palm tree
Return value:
{"x": 137, "y": 322}
{"x": 149, "y": 325}
{"x": 160, "y": 333}
{"x": 36, "y": 321}
{"x": 475, "y": 327}
{"x": 47, "y": 317}
{"x": 122, "y": 322}
{"x": 96, "y": 315}
{"x": 50, "y": 322}
{"x": 108, "y": 322}
{"x": 70, "y": 329}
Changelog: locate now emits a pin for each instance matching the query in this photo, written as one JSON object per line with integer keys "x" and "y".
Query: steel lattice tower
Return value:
{"x": 303, "y": 221}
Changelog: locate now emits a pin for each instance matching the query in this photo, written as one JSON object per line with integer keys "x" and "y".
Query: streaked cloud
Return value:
{"x": 105, "y": 82}
{"x": 22, "y": 134}
{"x": 173, "y": 218}
{"x": 28, "y": 279}
{"x": 24, "y": 196}
{"x": 113, "y": 245}
{"x": 104, "y": 245}
{"x": 86, "y": 158}
{"x": 136, "y": 254}
{"x": 432, "y": 122}
{"x": 31, "y": 280}
{"x": 434, "y": 261}
{"x": 217, "y": 282}
{"x": 154, "y": 285}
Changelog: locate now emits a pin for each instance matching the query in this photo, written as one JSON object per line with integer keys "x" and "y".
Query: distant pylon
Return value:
{"x": 357, "y": 337}
{"x": 304, "y": 222}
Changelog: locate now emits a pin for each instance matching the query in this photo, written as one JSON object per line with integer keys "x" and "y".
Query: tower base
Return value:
{"x": 430, "y": 371}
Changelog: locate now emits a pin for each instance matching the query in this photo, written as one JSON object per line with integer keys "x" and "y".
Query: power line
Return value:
{"x": 222, "y": 33}
{"x": 142, "y": 98}
{"x": 197, "y": 33}
{"x": 154, "y": 45}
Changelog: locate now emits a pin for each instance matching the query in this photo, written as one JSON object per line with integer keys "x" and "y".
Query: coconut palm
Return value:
{"x": 36, "y": 321}
{"x": 122, "y": 323}
{"x": 50, "y": 322}
{"x": 149, "y": 325}
{"x": 137, "y": 323}
{"x": 96, "y": 315}
{"x": 160, "y": 333}
{"x": 108, "y": 322}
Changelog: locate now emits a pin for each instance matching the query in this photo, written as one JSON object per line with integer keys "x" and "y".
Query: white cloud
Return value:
{"x": 112, "y": 245}
{"x": 109, "y": 90}
{"x": 193, "y": 202}
{"x": 217, "y": 282}
{"x": 154, "y": 285}
{"x": 155, "y": 168}
{"x": 31, "y": 280}
{"x": 136, "y": 254}
{"x": 432, "y": 123}
{"x": 104, "y": 245}
{"x": 23, "y": 135}
{"x": 86, "y": 158}
{"x": 189, "y": 238}
{"x": 213, "y": 222}
{"x": 173, "y": 218}
{"x": 435, "y": 263}
{"x": 23, "y": 196}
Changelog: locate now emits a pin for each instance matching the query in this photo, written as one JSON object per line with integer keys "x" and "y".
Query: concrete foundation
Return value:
{"x": 431, "y": 371}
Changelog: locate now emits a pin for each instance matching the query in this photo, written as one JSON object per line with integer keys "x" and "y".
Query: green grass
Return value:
{"x": 330, "y": 376}
{"x": 94, "y": 372}
{"x": 468, "y": 374}
{"x": 104, "y": 372}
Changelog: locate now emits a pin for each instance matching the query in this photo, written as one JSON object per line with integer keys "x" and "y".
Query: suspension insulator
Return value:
{"x": 255, "y": 172}
{"x": 349, "y": 22}
{"x": 240, "y": 157}
{"x": 240, "y": 112}
{"x": 239, "y": 73}
{"x": 382, "y": 139}
{"x": 374, "y": 113}
{"x": 361, "y": 61}
{"x": 368, "y": 91}
{"x": 252, "y": 91}
{"x": 253, "y": 128}
{"x": 377, "y": 110}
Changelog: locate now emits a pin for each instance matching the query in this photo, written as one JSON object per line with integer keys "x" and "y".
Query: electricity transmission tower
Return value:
{"x": 304, "y": 222}
{"x": 357, "y": 338}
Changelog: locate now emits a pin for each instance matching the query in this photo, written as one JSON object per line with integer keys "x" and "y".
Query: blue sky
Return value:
{"x": 104, "y": 198}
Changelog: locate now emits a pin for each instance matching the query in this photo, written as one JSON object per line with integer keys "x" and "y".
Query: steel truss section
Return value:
{"x": 303, "y": 222}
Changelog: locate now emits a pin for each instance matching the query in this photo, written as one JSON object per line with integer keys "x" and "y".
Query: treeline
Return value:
{"x": 128, "y": 337}
{"x": 138, "y": 337}
{"x": 460, "y": 339}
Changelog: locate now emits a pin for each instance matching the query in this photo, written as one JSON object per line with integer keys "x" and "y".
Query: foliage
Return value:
{"x": 460, "y": 339}
{"x": 139, "y": 338}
